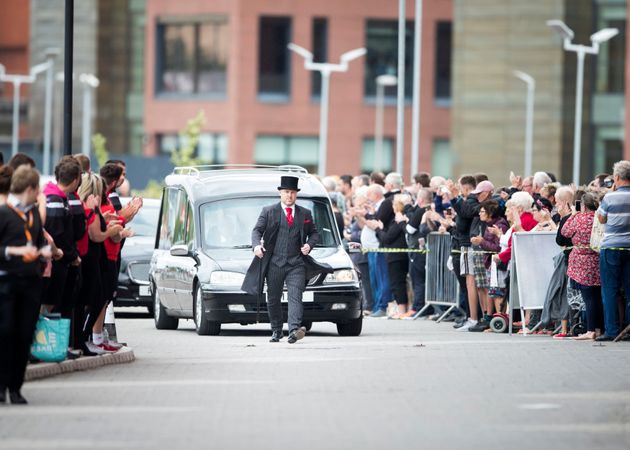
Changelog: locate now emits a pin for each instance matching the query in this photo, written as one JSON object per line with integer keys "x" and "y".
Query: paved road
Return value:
{"x": 401, "y": 385}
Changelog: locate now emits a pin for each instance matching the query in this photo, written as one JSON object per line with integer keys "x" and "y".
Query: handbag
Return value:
{"x": 597, "y": 235}
{"x": 51, "y": 338}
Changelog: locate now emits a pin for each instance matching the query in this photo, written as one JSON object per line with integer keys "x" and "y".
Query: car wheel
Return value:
{"x": 351, "y": 328}
{"x": 162, "y": 320}
{"x": 204, "y": 326}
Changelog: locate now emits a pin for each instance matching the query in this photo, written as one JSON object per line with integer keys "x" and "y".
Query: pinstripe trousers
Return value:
{"x": 294, "y": 276}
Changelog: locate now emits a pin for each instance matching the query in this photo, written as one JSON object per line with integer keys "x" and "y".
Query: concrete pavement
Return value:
{"x": 401, "y": 385}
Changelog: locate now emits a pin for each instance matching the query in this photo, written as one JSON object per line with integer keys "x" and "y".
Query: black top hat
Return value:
{"x": 290, "y": 183}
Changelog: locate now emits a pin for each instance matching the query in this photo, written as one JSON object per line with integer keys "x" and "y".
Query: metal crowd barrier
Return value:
{"x": 441, "y": 286}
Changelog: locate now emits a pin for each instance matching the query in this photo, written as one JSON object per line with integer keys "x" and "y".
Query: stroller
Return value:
{"x": 578, "y": 311}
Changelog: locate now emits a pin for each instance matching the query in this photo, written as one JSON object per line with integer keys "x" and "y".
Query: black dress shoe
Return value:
{"x": 276, "y": 336}
{"x": 16, "y": 398}
{"x": 296, "y": 335}
{"x": 604, "y": 338}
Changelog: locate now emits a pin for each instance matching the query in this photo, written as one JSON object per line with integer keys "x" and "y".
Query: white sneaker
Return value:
{"x": 469, "y": 323}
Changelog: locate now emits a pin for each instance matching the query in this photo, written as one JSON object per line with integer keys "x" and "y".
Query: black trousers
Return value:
{"x": 19, "y": 310}
{"x": 368, "y": 300}
{"x": 418, "y": 274}
{"x": 463, "y": 289}
{"x": 398, "y": 279}
{"x": 54, "y": 286}
{"x": 294, "y": 276}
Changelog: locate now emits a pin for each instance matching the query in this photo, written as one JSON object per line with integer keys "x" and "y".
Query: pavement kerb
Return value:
{"x": 45, "y": 370}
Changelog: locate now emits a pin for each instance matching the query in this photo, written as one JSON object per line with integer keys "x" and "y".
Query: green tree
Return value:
{"x": 100, "y": 151}
{"x": 189, "y": 138}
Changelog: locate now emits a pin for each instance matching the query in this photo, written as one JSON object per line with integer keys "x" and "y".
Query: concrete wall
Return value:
{"x": 492, "y": 38}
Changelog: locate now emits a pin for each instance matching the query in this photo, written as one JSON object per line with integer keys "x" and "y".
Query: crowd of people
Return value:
{"x": 59, "y": 255}
{"x": 390, "y": 221}
{"x": 60, "y": 249}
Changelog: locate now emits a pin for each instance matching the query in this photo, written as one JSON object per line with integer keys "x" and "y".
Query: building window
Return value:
{"x": 382, "y": 56}
{"x": 442, "y": 158}
{"x": 278, "y": 150}
{"x": 192, "y": 56}
{"x": 212, "y": 148}
{"x": 611, "y": 60}
{"x": 369, "y": 162}
{"x": 320, "y": 52}
{"x": 443, "y": 46}
{"x": 273, "y": 58}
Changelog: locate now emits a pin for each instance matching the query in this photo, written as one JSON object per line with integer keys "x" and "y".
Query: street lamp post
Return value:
{"x": 381, "y": 82}
{"x": 415, "y": 112}
{"x": 89, "y": 82}
{"x": 400, "y": 121}
{"x": 597, "y": 38}
{"x": 325, "y": 69}
{"x": 529, "y": 121}
{"x": 51, "y": 54}
{"x": 17, "y": 81}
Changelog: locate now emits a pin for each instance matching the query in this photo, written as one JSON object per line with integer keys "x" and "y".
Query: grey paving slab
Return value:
{"x": 401, "y": 385}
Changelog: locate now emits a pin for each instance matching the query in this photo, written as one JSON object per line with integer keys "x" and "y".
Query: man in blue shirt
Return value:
{"x": 614, "y": 256}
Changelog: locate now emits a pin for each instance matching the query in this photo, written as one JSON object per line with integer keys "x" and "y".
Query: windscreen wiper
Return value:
{"x": 242, "y": 246}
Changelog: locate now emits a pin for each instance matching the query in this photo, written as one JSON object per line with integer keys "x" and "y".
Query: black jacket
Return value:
{"x": 59, "y": 225}
{"x": 266, "y": 228}
{"x": 467, "y": 210}
{"x": 12, "y": 235}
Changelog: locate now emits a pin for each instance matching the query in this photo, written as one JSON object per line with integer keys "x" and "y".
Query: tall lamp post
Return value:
{"x": 17, "y": 81}
{"x": 415, "y": 111}
{"x": 400, "y": 107}
{"x": 381, "y": 82}
{"x": 89, "y": 82}
{"x": 325, "y": 69}
{"x": 529, "y": 121}
{"x": 597, "y": 38}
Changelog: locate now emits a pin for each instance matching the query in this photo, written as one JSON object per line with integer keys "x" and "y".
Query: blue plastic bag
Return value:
{"x": 51, "y": 338}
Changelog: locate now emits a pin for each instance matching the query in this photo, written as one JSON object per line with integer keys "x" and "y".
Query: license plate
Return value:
{"x": 307, "y": 296}
{"x": 144, "y": 291}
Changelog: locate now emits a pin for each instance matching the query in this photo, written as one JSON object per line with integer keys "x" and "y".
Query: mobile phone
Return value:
{"x": 578, "y": 205}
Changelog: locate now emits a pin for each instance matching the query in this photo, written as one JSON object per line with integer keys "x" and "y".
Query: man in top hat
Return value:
{"x": 282, "y": 238}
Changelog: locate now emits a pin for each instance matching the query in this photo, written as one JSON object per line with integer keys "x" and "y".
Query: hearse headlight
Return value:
{"x": 342, "y": 276}
{"x": 222, "y": 278}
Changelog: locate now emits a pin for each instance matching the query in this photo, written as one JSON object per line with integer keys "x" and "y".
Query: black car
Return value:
{"x": 133, "y": 278}
{"x": 203, "y": 250}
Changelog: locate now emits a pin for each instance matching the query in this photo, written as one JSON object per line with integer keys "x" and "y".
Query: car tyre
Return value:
{"x": 351, "y": 328}
{"x": 161, "y": 319}
{"x": 203, "y": 326}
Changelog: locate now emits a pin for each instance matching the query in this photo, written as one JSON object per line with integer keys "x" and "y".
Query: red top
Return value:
{"x": 528, "y": 223}
{"x": 111, "y": 248}
{"x": 583, "y": 262}
{"x": 82, "y": 244}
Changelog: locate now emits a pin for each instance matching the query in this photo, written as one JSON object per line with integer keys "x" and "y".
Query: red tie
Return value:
{"x": 290, "y": 216}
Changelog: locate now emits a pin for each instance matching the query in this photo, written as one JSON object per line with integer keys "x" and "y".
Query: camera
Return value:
{"x": 608, "y": 183}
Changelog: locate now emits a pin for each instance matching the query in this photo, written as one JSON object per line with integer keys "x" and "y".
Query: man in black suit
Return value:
{"x": 282, "y": 238}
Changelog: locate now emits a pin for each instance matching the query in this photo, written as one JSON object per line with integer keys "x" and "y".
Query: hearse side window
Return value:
{"x": 190, "y": 229}
{"x": 179, "y": 213}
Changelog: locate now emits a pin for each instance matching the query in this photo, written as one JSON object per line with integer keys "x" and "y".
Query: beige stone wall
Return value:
{"x": 492, "y": 38}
